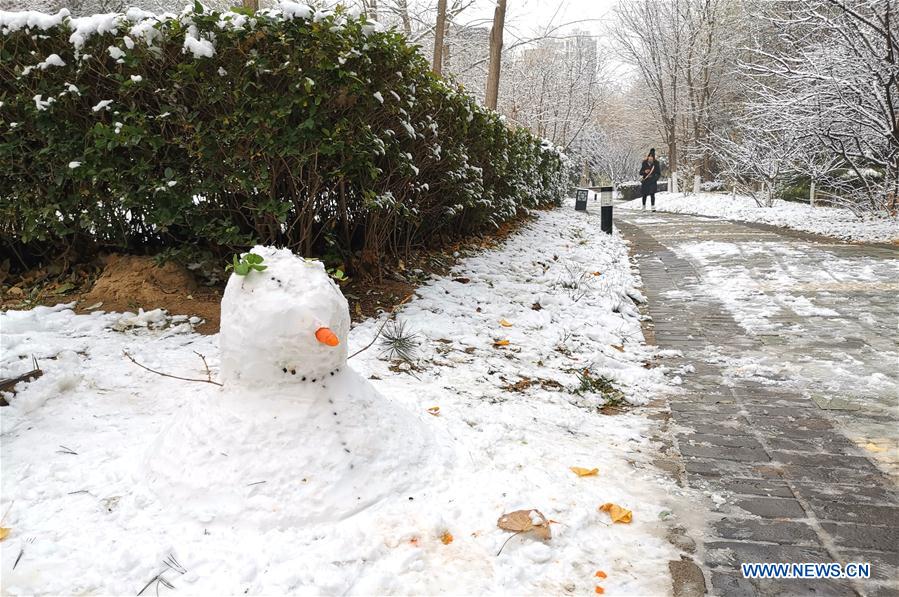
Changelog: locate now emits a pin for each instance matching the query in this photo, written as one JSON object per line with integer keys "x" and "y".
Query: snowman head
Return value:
{"x": 287, "y": 323}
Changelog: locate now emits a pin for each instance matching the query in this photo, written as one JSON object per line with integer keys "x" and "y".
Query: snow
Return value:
{"x": 84, "y": 27}
{"x": 30, "y": 19}
{"x": 74, "y": 164}
{"x": 250, "y": 486}
{"x": 115, "y": 53}
{"x": 200, "y": 48}
{"x": 51, "y": 60}
{"x": 101, "y": 105}
{"x": 42, "y": 104}
{"x": 294, "y": 10}
{"x": 378, "y": 96}
{"x": 827, "y": 221}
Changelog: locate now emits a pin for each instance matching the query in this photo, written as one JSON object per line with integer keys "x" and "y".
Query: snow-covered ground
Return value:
{"x": 501, "y": 340}
{"x": 828, "y": 221}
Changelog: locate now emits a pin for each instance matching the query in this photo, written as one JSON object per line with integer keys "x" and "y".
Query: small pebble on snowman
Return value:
{"x": 294, "y": 435}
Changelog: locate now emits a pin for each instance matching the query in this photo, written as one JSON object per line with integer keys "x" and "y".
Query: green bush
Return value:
{"x": 219, "y": 130}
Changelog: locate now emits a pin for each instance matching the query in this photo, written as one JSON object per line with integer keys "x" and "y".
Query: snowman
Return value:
{"x": 294, "y": 436}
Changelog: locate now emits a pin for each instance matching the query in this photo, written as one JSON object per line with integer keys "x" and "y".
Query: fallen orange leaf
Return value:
{"x": 501, "y": 343}
{"x": 617, "y": 513}
{"x": 447, "y": 538}
{"x": 584, "y": 472}
{"x": 597, "y": 273}
{"x": 505, "y": 323}
{"x": 4, "y": 532}
{"x": 600, "y": 574}
{"x": 434, "y": 410}
{"x": 599, "y": 590}
{"x": 617, "y": 347}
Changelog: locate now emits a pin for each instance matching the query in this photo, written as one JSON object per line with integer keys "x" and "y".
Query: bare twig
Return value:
{"x": 2, "y": 518}
{"x": 171, "y": 564}
{"x": 131, "y": 358}
{"x": 206, "y": 365}
{"x": 66, "y": 450}
{"x": 373, "y": 340}
{"x": 22, "y": 552}
{"x": 380, "y": 329}
{"x": 9, "y": 385}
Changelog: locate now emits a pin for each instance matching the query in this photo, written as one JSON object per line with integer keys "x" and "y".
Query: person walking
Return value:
{"x": 650, "y": 170}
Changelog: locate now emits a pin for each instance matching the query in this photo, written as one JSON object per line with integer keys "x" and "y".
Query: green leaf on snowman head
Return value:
{"x": 242, "y": 269}
{"x": 253, "y": 258}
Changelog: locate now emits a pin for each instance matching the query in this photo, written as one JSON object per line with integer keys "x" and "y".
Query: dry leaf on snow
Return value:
{"x": 446, "y": 538}
{"x": 501, "y": 343}
{"x": 872, "y": 447}
{"x": 434, "y": 410}
{"x": 526, "y": 521}
{"x": 584, "y": 472}
{"x": 505, "y": 323}
{"x": 600, "y": 574}
{"x": 618, "y": 347}
{"x": 4, "y": 532}
{"x": 617, "y": 513}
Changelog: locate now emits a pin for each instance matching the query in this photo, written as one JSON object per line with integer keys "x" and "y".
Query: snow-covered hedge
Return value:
{"x": 313, "y": 130}
{"x": 629, "y": 189}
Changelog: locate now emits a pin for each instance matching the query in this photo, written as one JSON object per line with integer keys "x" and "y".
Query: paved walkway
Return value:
{"x": 790, "y": 413}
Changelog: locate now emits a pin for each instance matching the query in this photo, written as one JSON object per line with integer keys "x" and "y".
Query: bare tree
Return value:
{"x": 758, "y": 161}
{"x": 650, "y": 35}
{"x": 835, "y": 72}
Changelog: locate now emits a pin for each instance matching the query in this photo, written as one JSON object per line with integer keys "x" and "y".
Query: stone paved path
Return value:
{"x": 790, "y": 413}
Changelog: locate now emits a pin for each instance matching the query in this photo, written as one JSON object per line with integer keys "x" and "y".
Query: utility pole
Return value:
{"x": 437, "y": 66}
{"x": 496, "y": 53}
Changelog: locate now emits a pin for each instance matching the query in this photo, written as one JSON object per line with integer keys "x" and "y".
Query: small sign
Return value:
{"x": 580, "y": 199}
{"x": 605, "y": 197}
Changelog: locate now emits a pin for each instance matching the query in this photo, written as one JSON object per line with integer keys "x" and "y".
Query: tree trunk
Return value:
{"x": 672, "y": 159}
{"x": 496, "y": 53}
{"x": 251, "y": 4}
{"x": 403, "y": 7}
{"x": 439, "y": 32}
{"x": 372, "y": 10}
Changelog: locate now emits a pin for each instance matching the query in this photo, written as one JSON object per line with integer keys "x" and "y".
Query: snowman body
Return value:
{"x": 294, "y": 436}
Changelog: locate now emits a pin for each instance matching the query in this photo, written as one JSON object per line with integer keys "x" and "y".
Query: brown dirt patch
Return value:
{"x": 130, "y": 282}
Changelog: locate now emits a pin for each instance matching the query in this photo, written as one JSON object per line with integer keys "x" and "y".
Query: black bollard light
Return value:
{"x": 605, "y": 208}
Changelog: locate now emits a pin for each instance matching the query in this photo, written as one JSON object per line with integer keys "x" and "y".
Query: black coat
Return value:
{"x": 649, "y": 182}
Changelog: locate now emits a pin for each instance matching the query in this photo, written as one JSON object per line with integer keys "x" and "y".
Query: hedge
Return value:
{"x": 311, "y": 130}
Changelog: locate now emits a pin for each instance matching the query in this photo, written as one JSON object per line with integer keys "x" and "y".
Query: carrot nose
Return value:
{"x": 326, "y": 336}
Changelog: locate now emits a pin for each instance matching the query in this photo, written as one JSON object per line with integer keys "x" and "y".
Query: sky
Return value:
{"x": 528, "y": 18}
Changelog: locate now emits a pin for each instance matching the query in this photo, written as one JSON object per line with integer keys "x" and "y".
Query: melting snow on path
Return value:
{"x": 827, "y": 221}
{"x": 81, "y": 445}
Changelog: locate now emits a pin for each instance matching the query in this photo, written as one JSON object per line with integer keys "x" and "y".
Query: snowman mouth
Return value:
{"x": 326, "y": 337}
